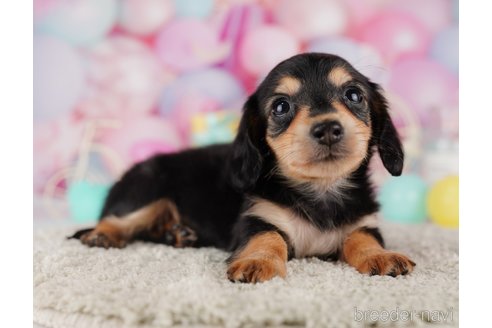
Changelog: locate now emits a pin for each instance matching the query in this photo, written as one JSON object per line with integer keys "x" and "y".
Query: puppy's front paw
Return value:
{"x": 97, "y": 238}
{"x": 256, "y": 269}
{"x": 386, "y": 263}
{"x": 183, "y": 236}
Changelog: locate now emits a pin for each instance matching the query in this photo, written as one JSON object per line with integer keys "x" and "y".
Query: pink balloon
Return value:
{"x": 124, "y": 76}
{"x": 145, "y": 149}
{"x": 395, "y": 34}
{"x": 425, "y": 85}
{"x": 309, "y": 19}
{"x": 188, "y": 44}
{"x": 144, "y": 17}
{"x": 434, "y": 14}
{"x": 266, "y": 46}
{"x": 360, "y": 11}
{"x": 135, "y": 130}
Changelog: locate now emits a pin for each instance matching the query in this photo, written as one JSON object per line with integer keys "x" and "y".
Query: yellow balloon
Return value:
{"x": 443, "y": 202}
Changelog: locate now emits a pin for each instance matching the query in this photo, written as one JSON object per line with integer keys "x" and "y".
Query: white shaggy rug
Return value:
{"x": 148, "y": 285}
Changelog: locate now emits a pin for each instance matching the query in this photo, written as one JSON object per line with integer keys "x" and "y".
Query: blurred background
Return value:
{"x": 117, "y": 81}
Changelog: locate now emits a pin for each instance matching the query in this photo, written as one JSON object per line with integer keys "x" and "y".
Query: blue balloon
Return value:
{"x": 445, "y": 48}
{"x": 79, "y": 22}
{"x": 193, "y": 8}
{"x": 403, "y": 199}
{"x": 86, "y": 200}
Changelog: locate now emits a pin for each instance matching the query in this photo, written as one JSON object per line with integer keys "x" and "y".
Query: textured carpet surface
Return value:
{"x": 147, "y": 285}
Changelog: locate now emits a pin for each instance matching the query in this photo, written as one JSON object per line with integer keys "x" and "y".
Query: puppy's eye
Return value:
{"x": 280, "y": 107}
{"x": 353, "y": 95}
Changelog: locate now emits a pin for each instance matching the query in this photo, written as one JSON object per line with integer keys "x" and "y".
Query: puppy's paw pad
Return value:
{"x": 387, "y": 263}
{"x": 101, "y": 239}
{"x": 255, "y": 270}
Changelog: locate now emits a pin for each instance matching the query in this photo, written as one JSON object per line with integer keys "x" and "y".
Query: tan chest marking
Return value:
{"x": 306, "y": 239}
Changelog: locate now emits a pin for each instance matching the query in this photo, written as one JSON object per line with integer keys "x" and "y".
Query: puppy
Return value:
{"x": 294, "y": 182}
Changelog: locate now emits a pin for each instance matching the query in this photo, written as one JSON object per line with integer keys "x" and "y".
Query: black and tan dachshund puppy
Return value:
{"x": 294, "y": 182}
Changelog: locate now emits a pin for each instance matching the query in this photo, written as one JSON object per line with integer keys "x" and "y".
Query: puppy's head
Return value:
{"x": 319, "y": 118}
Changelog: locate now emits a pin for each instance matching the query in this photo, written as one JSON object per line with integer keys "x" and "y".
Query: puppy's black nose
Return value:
{"x": 327, "y": 133}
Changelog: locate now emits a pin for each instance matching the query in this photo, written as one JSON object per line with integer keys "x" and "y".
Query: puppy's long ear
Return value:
{"x": 386, "y": 137}
{"x": 247, "y": 161}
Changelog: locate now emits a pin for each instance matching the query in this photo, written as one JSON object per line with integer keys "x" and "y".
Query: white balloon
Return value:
{"x": 144, "y": 17}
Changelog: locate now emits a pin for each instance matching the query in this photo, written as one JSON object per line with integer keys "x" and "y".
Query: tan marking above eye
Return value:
{"x": 288, "y": 85}
{"x": 339, "y": 76}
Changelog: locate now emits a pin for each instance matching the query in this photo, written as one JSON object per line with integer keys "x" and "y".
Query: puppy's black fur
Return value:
{"x": 212, "y": 187}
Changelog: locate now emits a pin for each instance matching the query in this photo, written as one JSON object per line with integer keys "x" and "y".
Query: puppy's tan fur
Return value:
{"x": 296, "y": 151}
{"x": 306, "y": 239}
{"x": 363, "y": 252}
{"x": 263, "y": 258}
{"x": 288, "y": 85}
{"x": 339, "y": 76}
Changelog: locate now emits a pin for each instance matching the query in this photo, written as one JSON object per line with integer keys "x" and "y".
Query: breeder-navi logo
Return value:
{"x": 398, "y": 314}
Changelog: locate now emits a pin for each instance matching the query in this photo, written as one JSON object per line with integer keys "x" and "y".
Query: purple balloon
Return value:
{"x": 212, "y": 83}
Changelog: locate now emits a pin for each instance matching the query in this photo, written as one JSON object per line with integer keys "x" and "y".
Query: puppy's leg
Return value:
{"x": 158, "y": 222}
{"x": 263, "y": 256}
{"x": 363, "y": 249}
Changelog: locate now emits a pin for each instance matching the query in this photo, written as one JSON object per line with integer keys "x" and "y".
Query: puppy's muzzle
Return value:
{"x": 327, "y": 133}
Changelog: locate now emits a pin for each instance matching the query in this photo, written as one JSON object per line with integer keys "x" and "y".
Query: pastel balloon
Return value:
{"x": 124, "y": 76}
{"x": 403, "y": 199}
{"x": 434, "y": 14}
{"x": 189, "y": 44}
{"x": 210, "y": 88}
{"x": 362, "y": 56}
{"x": 80, "y": 22}
{"x": 86, "y": 200}
{"x": 445, "y": 48}
{"x": 144, "y": 17}
{"x": 312, "y": 18}
{"x": 425, "y": 85}
{"x": 146, "y": 131}
{"x": 443, "y": 202}
{"x": 257, "y": 58}
{"x": 395, "y": 34}
{"x": 193, "y": 8}
{"x": 59, "y": 78}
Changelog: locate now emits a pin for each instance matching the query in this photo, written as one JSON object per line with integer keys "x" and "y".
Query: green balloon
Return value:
{"x": 86, "y": 200}
{"x": 403, "y": 199}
